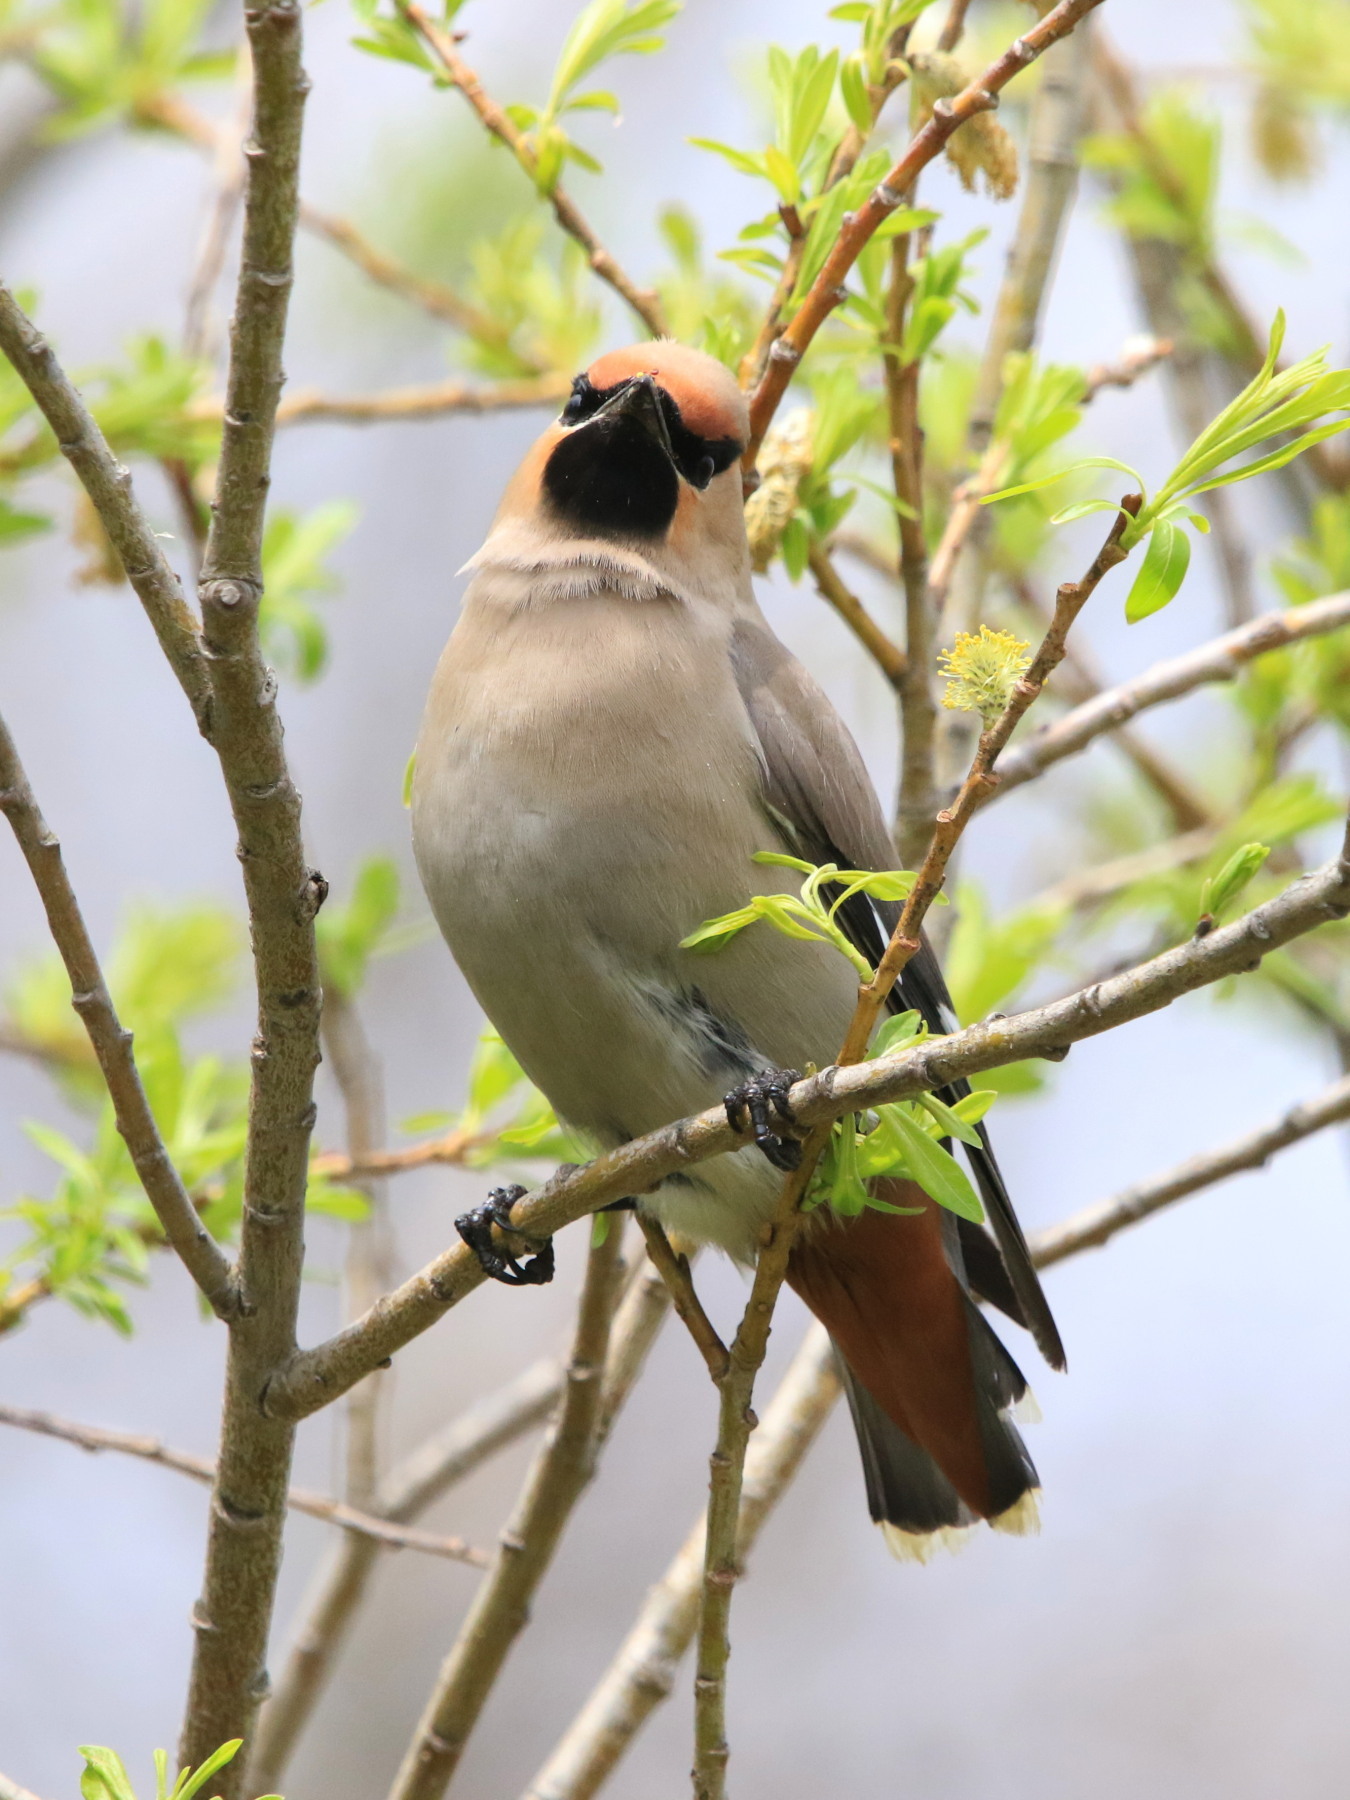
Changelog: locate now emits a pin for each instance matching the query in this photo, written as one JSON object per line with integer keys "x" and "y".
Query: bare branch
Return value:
{"x": 233, "y": 1616}
{"x": 201, "y": 1468}
{"x": 642, "y": 1674}
{"x": 1138, "y": 357}
{"x": 108, "y": 485}
{"x": 644, "y": 301}
{"x": 329, "y": 1609}
{"x": 315, "y": 1377}
{"x": 201, "y": 1256}
{"x": 500, "y": 1607}
{"x": 10, "y": 1790}
{"x": 434, "y": 297}
{"x": 948, "y": 115}
{"x": 1095, "y": 1225}
{"x": 435, "y": 400}
{"x": 1219, "y": 660}
{"x": 830, "y": 585}
{"x": 453, "y": 1148}
{"x": 674, "y": 1271}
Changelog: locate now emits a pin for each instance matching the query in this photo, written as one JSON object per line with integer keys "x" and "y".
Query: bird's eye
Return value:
{"x": 705, "y": 471}
{"x": 581, "y": 402}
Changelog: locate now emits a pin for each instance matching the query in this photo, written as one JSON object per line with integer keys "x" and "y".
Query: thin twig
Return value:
{"x": 1078, "y": 682}
{"x": 644, "y": 301}
{"x": 201, "y": 1468}
{"x": 953, "y": 25}
{"x": 108, "y": 485}
{"x": 562, "y": 1469}
{"x": 433, "y": 297}
{"x": 368, "y": 1267}
{"x": 233, "y": 1616}
{"x": 452, "y": 1149}
{"x": 434, "y": 400}
{"x": 948, "y": 115}
{"x": 674, "y": 1271}
{"x": 329, "y": 1609}
{"x": 1086, "y": 886}
{"x": 917, "y": 799}
{"x": 201, "y": 1256}
{"x": 1092, "y": 1227}
{"x": 830, "y": 585}
{"x": 642, "y": 1673}
{"x": 316, "y": 1377}
{"x": 10, "y": 1790}
{"x": 1220, "y": 660}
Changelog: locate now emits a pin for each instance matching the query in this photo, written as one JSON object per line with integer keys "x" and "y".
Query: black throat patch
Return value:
{"x": 611, "y": 478}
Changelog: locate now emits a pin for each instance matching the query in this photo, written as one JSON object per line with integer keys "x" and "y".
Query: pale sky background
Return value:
{"x": 1178, "y": 1629}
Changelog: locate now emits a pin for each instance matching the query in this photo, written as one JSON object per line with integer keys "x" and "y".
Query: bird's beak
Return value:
{"x": 640, "y": 401}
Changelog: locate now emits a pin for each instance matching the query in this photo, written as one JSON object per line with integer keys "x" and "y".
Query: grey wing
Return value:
{"x": 817, "y": 791}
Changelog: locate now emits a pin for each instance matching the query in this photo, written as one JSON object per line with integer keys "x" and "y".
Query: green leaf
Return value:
{"x": 600, "y": 1223}
{"x": 349, "y": 935}
{"x": 939, "y": 1175}
{"x": 715, "y": 934}
{"x": 896, "y": 1033}
{"x": 739, "y": 159}
{"x": 104, "y": 1776}
{"x": 1161, "y": 573}
{"x": 951, "y": 1121}
{"x": 214, "y": 1763}
{"x": 853, "y": 87}
{"x": 1044, "y": 481}
{"x": 1222, "y": 889}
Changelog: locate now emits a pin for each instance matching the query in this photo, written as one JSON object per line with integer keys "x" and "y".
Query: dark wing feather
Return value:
{"x": 817, "y": 790}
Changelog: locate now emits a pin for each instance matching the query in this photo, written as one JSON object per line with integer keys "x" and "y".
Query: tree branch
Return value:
{"x": 198, "y": 1251}
{"x": 316, "y": 1377}
{"x": 10, "y": 1790}
{"x": 642, "y": 1674}
{"x": 200, "y": 1468}
{"x": 233, "y": 1616}
{"x": 562, "y": 1469}
{"x": 1095, "y": 1225}
{"x": 435, "y": 400}
{"x": 644, "y": 301}
{"x": 884, "y": 651}
{"x": 948, "y": 115}
{"x": 1220, "y": 660}
{"x": 433, "y": 297}
{"x": 108, "y": 485}
{"x": 674, "y": 1271}
{"x": 329, "y": 1609}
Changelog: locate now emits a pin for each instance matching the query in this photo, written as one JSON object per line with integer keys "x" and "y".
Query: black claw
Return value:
{"x": 476, "y": 1229}
{"x": 763, "y": 1102}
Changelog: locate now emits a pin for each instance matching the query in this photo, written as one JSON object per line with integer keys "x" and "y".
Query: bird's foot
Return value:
{"x": 761, "y": 1104}
{"x": 476, "y": 1229}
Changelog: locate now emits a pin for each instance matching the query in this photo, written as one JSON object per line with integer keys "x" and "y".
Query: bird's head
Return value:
{"x": 644, "y": 459}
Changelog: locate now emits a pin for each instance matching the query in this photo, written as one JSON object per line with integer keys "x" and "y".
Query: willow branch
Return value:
{"x": 1220, "y": 660}
{"x": 1078, "y": 682}
{"x": 674, "y": 1272}
{"x": 329, "y": 1609}
{"x": 108, "y": 485}
{"x": 434, "y": 400}
{"x": 10, "y": 1790}
{"x": 433, "y": 297}
{"x": 1095, "y": 1225}
{"x": 198, "y": 1251}
{"x": 642, "y": 1674}
{"x": 831, "y": 587}
{"x": 233, "y": 1616}
{"x": 948, "y": 115}
{"x": 643, "y": 301}
{"x": 316, "y": 1377}
{"x": 562, "y": 1469}
{"x": 201, "y": 1468}
{"x": 368, "y": 1266}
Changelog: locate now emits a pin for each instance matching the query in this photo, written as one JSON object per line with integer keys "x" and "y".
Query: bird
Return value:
{"x": 612, "y": 733}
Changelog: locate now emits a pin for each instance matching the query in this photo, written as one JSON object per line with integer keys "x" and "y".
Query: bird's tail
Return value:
{"x": 930, "y": 1386}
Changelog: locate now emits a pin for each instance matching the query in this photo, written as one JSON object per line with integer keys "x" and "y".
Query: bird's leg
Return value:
{"x": 761, "y": 1103}
{"x": 476, "y": 1229}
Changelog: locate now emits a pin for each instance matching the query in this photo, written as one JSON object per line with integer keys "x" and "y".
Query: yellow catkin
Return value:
{"x": 981, "y": 670}
{"x": 981, "y": 145}
{"x": 784, "y": 463}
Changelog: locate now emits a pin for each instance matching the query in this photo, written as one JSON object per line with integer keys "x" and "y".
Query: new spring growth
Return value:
{"x": 982, "y": 669}
{"x": 784, "y": 463}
